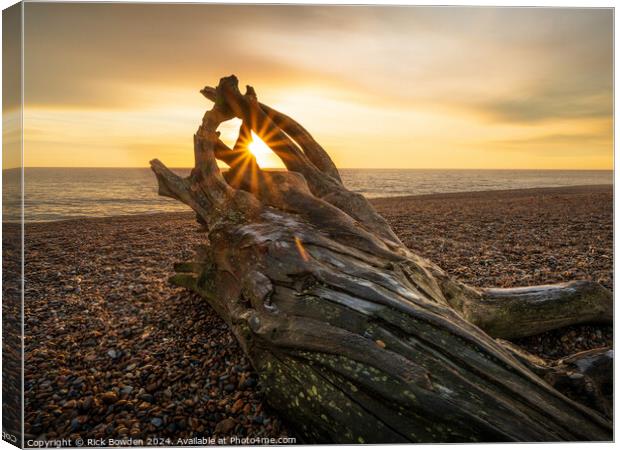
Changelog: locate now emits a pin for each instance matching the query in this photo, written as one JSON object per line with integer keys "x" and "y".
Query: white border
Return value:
{"x": 496, "y": 3}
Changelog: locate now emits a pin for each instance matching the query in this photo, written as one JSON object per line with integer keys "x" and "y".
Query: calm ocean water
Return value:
{"x": 56, "y": 194}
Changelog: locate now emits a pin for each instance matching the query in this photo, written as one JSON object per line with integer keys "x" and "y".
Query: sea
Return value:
{"x": 65, "y": 193}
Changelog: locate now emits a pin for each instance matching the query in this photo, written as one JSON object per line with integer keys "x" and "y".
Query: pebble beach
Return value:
{"x": 113, "y": 351}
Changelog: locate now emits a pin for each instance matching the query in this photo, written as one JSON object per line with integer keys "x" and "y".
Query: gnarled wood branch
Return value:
{"x": 323, "y": 184}
{"x": 355, "y": 338}
{"x": 313, "y": 150}
{"x": 526, "y": 311}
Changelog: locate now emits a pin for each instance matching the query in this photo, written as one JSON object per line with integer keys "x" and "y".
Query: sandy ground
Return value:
{"x": 113, "y": 351}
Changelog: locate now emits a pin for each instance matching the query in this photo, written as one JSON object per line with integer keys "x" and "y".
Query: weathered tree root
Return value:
{"x": 584, "y": 377}
{"x": 355, "y": 338}
{"x": 526, "y": 311}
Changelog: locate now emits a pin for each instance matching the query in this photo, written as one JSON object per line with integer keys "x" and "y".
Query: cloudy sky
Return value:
{"x": 418, "y": 87}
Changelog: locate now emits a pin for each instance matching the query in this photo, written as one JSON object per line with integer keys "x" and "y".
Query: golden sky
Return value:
{"x": 379, "y": 87}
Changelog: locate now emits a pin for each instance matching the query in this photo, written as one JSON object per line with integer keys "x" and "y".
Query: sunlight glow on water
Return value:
{"x": 62, "y": 193}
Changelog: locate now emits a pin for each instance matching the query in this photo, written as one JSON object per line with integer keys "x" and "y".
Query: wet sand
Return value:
{"x": 112, "y": 350}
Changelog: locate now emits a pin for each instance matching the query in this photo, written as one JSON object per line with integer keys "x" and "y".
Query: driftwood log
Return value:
{"x": 356, "y": 339}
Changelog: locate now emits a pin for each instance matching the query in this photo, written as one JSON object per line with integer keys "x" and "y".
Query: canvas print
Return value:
{"x": 306, "y": 224}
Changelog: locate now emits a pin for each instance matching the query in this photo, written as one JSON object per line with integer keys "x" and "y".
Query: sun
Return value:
{"x": 263, "y": 154}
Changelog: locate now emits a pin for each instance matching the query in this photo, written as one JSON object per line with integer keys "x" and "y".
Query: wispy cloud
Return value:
{"x": 551, "y": 103}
